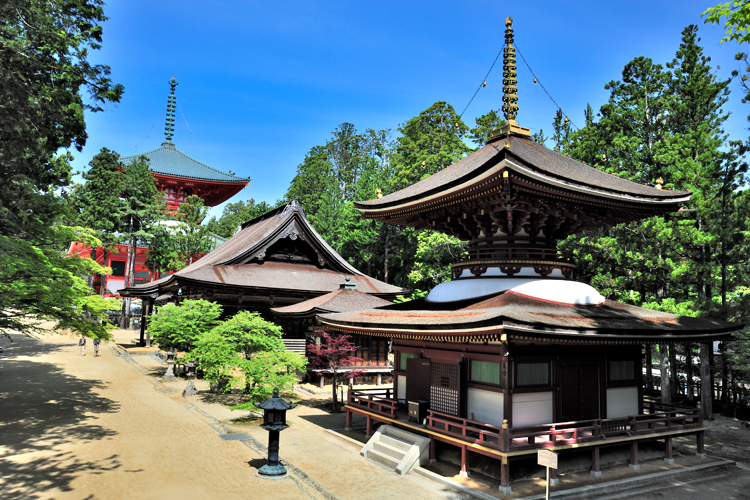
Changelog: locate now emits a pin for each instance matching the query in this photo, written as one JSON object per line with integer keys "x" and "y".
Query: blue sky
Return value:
{"x": 260, "y": 83}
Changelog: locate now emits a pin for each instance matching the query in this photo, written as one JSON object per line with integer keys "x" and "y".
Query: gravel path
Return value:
{"x": 75, "y": 427}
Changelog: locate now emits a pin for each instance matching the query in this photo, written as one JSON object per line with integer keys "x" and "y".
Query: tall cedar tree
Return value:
{"x": 666, "y": 124}
{"x": 429, "y": 142}
{"x": 99, "y": 201}
{"x": 143, "y": 210}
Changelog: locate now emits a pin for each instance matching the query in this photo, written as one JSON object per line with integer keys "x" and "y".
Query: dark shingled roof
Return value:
{"x": 509, "y": 310}
{"x": 168, "y": 160}
{"x": 531, "y": 155}
{"x": 236, "y": 263}
{"x": 342, "y": 300}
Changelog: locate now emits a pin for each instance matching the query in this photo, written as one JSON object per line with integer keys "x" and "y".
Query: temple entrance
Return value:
{"x": 580, "y": 392}
{"x": 445, "y": 387}
{"x": 418, "y": 377}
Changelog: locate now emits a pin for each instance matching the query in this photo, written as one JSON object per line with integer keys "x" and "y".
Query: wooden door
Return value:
{"x": 418, "y": 379}
{"x": 580, "y": 392}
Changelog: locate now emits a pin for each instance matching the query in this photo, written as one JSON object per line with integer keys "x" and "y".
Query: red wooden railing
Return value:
{"x": 661, "y": 418}
{"x": 378, "y": 401}
{"x": 468, "y": 430}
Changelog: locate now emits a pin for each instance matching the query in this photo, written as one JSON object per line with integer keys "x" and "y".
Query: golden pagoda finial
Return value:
{"x": 510, "y": 89}
{"x": 659, "y": 183}
{"x": 378, "y": 193}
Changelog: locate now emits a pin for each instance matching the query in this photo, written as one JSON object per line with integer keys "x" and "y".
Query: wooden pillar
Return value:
{"x": 380, "y": 379}
{"x": 700, "y": 451}
{"x": 666, "y": 374}
{"x": 464, "y": 462}
{"x": 673, "y": 379}
{"x": 322, "y": 380}
{"x": 145, "y": 304}
{"x": 505, "y": 436}
{"x": 433, "y": 446}
{"x": 706, "y": 389}
{"x": 553, "y": 479}
{"x": 634, "y": 456}
{"x": 348, "y": 420}
{"x": 668, "y": 458}
{"x": 689, "y": 374}
{"x": 505, "y": 477}
{"x": 368, "y": 432}
{"x": 649, "y": 369}
{"x": 595, "y": 469}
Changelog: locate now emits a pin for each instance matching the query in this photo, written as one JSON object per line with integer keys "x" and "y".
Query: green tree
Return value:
{"x": 98, "y": 202}
{"x": 45, "y": 285}
{"x": 181, "y": 326}
{"x": 44, "y": 74}
{"x": 192, "y": 238}
{"x": 432, "y": 261}
{"x": 234, "y": 214}
{"x": 736, "y": 15}
{"x": 561, "y": 132}
{"x": 485, "y": 125}
{"x": 429, "y": 142}
{"x": 162, "y": 255}
{"x": 143, "y": 209}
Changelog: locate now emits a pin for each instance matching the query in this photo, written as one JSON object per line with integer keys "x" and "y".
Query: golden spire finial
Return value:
{"x": 659, "y": 183}
{"x": 510, "y": 98}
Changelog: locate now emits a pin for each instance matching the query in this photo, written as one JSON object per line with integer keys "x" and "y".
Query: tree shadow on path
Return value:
{"x": 42, "y": 408}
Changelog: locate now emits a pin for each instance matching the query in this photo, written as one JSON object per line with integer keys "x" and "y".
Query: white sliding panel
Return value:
{"x": 485, "y": 407}
{"x": 532, "y": 409}
{"x": 622, "y": 402}
{"x": 401, "y": 387}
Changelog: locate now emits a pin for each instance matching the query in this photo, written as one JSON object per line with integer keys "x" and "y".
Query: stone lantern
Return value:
{"x": 274, "y": 421}
{"x": 190, "y": 390}
{"x": 169, "y": 375}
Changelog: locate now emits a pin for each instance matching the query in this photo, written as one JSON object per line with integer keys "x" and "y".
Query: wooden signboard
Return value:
{"x": 547, "y": 458}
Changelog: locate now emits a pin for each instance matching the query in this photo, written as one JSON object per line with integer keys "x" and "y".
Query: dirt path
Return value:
{"x": 76, "y": 427}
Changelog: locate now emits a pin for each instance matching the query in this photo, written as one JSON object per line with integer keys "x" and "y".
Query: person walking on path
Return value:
{"x": 82, "y": 343}
{"x": 96, "y": 347}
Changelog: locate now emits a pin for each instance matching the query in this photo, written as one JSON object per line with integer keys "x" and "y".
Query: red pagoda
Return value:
{"x": 177, "y": 175}
{"x": 512, "y": 355}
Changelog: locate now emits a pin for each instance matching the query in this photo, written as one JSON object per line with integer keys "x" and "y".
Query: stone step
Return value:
{"x": 394, "y": 442}
{"x": 382, "y": 458}
{"x": 389, "y": 450}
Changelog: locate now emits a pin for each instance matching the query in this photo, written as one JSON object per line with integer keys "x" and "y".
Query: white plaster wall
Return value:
{"x": 485, "y": 407}
{"x": 532, "y": 409}
{"x": 622, "y": 402}
{"x": 401, "y": 387}
{"x": 114, "y": 284}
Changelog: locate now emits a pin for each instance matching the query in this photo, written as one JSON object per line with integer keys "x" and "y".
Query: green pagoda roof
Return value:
{"x": 170, "y": 161}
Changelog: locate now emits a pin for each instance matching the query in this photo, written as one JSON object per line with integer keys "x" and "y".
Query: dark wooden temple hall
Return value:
{"x": 272, "y": 261}
{"x": 512, "y": 355}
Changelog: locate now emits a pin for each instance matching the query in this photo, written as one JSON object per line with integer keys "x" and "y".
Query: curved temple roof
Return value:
{"x": 169, "y": 161}
{"x": 278, "y": 252}
{"x": 515, "y": 316}
{"x": 543, "y": 166}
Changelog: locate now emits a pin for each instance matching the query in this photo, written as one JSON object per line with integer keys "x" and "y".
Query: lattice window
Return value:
{"x": 444, "y": 388}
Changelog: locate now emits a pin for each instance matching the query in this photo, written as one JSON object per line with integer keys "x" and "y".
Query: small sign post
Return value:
{"x": 548, "y": 459}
